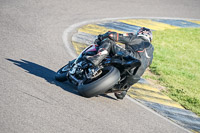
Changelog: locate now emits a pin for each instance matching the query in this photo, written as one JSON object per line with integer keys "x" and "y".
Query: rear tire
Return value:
{"x": 102, "y": 84}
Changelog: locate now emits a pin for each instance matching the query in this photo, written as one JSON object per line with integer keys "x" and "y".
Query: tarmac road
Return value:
{"x": 32, "y": 50}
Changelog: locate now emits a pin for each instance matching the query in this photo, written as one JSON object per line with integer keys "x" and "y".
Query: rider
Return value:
{"x": 137, "y": 46}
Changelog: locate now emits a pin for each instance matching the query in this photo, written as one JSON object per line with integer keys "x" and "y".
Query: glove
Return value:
{"x": 103, "y": 36}
{"x": 111, "y": 35}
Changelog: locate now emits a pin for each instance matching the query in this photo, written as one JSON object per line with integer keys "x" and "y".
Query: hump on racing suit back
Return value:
{"x": 143, "y": 51}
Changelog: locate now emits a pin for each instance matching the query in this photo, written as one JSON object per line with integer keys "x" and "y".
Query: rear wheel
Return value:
{"x": 101, "y": 83}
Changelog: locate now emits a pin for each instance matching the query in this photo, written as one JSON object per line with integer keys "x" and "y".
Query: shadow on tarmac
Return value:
{"x": 48, "y": 75}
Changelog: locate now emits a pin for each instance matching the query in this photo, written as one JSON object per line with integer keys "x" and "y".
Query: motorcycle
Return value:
{"x": 108, "y": 77}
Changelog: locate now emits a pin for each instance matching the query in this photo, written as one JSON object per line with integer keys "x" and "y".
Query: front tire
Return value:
{"x": 102, "y": 84}
{"x": 61, "y": 74}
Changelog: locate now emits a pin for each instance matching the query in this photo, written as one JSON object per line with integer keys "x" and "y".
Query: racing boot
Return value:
{"x": 120, "y": 95}
{"x": 123, "y": 88}
{"x": 102, "y": 53}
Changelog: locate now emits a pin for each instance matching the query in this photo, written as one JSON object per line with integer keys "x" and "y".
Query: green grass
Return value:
{"x": 177, "y": 64}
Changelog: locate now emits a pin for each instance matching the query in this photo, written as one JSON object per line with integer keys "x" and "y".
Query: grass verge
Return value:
{"x": 177, "y": 65}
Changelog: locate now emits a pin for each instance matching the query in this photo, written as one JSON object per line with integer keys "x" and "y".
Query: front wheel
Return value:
{"x": 101, "y": 84}
{"x": 61, "y": 74}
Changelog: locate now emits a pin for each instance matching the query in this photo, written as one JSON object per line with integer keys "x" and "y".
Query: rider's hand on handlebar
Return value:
{"x": 103, "y": 36}
{"x": 111, "y": 35}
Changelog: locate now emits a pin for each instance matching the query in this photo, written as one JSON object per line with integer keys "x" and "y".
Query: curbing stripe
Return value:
{"x": 142, "y": 91}
{"x": 194, "y": 21}
{"x": 178, "y": 23}
{"x": 149, "y": 24}
{"x": 79, "y": 47}
{"x": 150, "y": 93}
{"x": 154, "y": 99}
{"x": 145, "y": 86}
{"x": 120, "y": 26}
{"x": 96, "y": 30}
{"x": 84, "y": 38}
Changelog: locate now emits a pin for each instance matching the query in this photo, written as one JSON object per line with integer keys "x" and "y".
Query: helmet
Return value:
{"x": 145, "y": 33}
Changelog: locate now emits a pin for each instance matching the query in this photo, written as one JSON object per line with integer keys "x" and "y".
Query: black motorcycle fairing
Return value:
{"x": 111, "y": 71}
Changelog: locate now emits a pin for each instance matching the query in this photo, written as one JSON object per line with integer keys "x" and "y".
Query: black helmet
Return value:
{"x": 145, "y": 33}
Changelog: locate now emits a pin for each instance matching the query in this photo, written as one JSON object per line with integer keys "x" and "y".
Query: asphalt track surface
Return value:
{"x": 32, "y": 50}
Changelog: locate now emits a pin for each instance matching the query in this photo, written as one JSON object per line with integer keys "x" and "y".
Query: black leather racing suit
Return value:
{"x": 135, "y": 46}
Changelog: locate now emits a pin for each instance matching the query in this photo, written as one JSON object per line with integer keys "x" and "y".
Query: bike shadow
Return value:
{"x": 47, "y": 74}
{"x": 42, "y": 72}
